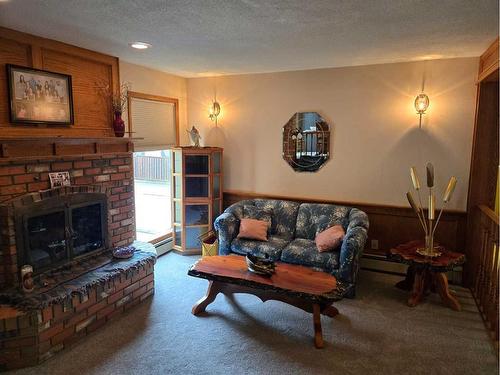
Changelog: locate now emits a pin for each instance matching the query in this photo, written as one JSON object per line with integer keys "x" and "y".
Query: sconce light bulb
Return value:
{"x": 216, "y": 108}
{"x": 421, "y": 103}
{"x": 214, "y": 111}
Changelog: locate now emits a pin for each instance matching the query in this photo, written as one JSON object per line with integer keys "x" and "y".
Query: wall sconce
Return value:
{"x": 214, "y": 111}
{"x": 421, "y": 105}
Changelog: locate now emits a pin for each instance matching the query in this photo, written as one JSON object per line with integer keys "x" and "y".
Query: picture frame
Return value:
{"x": 59, "y": 179}
{"x": 39, "y": 96}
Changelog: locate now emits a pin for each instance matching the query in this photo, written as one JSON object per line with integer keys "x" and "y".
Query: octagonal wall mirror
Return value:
{"x": 306, "y": 142}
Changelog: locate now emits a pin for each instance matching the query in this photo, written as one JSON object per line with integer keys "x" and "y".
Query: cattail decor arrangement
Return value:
{"x": 429, "y": 222}
{"x": 430, "y": 175}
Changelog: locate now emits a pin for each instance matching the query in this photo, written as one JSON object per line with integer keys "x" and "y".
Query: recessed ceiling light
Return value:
{"x": 140, "y": 45}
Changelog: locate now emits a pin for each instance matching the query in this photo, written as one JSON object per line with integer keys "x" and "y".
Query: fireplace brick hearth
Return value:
{"x": 28, "y": 338}
{"x": 86, "y": 293}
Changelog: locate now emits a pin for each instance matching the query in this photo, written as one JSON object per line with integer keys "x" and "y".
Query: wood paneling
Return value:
{"x": 485, "y": 276}
{"x": 488, "y": 63}
{"x": 390, "y": 225}
{"x": 89, "y": 70}
{"x": 484, "y": 158}
{"x": 11, "y": 52}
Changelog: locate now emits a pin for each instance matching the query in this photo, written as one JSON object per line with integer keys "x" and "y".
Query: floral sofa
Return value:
{"x": 291, "y": 237}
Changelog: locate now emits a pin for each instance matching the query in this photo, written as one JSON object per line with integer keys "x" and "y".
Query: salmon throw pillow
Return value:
{"x": 330, "y": 238}
{"x": 252, "y": 229}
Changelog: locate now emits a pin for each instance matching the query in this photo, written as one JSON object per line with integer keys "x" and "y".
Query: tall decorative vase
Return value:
{"x": 119, "y": 124}
{"x": 429, "y": 221}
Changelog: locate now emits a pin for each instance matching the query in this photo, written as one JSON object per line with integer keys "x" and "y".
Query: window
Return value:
{"x": 153, "y": 120}
{"x": 152, "y": 195}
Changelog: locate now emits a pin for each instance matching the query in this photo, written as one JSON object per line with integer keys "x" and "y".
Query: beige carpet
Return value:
{"x": 376, "y": 333}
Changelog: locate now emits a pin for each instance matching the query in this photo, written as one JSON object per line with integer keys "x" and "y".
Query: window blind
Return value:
{"x": 153, "y": 121}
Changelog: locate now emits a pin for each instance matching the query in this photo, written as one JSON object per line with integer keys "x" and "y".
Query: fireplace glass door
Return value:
{"x": 55, "y": 231}
{"x": 86, "y": 229}
{"x": 46, "y": 240}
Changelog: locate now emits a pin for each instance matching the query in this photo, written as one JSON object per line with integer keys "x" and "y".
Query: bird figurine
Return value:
{"x": 194, "y": 134}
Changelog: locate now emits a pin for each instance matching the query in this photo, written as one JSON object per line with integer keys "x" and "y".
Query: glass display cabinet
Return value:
{"x": 196, "y": 194}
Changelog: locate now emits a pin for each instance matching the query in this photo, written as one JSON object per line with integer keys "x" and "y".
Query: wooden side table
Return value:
{"x": 427, "y": 273}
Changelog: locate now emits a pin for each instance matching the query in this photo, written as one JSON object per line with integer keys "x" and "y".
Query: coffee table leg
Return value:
{"x": 441, "y": 282}
{"x": 318, "y": 334}
{"x": 212, "y": 291}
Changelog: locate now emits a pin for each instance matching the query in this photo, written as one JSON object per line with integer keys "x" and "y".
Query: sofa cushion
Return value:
{"x": 330, "y": 238}
{"x": 257, "y": 213}
{"x": 304, "y": 252}
{"x": 272, "y": 247}
{"x": 252, "y": 229}
{"x": 284, "y": 216}
{"x": 313, "y": 218}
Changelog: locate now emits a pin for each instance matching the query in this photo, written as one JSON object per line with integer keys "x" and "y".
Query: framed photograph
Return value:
{"x": 58, "y": 179}
{"x": 39, "y": 97}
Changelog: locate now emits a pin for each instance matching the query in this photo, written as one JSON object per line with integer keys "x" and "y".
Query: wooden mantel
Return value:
{"x": 50, "y": 147}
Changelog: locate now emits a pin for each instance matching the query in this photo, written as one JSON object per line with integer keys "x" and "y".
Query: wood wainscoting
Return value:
{"x": 484, "y": 157}
{"x": 390, "y": 225}
{"x": 89, "y": 71}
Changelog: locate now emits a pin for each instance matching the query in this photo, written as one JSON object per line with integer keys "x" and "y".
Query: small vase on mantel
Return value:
{"x": 119, "y": 124}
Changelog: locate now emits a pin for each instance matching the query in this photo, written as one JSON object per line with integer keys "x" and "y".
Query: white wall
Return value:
{"x": 154, "y": 82}
{"x": 375, "y": 137}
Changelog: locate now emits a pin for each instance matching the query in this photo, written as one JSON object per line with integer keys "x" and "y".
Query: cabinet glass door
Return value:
{"x": 196, "y": 164}
{"x": 216, "y": 209}
{"x": 177, "y": 187}
{"x": 216, "y": 160}
{"x": 192, "y": 234}
{"x": 177, "y": 212}
{"x": 177, "y": 235}
{"x": 177, "y": 161}
{"x": 196, "y": 187}
{"x": 216, "y": 187}
{"x": 196, "y": 214}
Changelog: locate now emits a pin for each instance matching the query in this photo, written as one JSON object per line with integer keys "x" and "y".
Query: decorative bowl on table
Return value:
{"x": 259, "y": 265}
{"x": 124, "y": 252}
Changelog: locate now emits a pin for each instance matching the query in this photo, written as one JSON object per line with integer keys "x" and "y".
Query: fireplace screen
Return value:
{"x": 55, "y": 231}
{"x": 87, "y": 229}
{"x": 46, "y": 239}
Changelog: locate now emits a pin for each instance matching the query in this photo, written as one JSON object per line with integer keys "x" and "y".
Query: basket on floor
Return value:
{"x": 209, "y": 243}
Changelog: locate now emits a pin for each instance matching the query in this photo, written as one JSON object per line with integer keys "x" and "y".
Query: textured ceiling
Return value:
{"x": 207, "y": 37}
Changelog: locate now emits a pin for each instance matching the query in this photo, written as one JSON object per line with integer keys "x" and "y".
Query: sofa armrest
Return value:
{"x": 227, "y": 225}
{"x": 352, "y": 249}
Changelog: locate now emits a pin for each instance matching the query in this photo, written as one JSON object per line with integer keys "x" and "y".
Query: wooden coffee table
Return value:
{"x": 310, "y": 290}
{"x": 425, "y": 273}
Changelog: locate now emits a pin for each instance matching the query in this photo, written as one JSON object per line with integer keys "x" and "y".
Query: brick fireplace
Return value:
{"x": 109, "y": 173}
{"x": 78, "y": 294}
